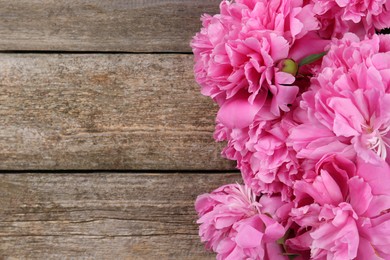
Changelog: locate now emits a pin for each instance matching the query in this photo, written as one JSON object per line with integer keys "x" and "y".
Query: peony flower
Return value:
{"x": 257, "y": 141}
{"x": 235, "y": 226}
{"x": 243, "y": 49}
{"x": 361, "y": 17}
{"x": 270, "y": 166}
{"x": 343, "y": 213}
{"x": 347, "y": 105}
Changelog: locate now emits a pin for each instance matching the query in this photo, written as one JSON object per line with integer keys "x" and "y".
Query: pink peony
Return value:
{"x": 343, "y": 213}
{"x": 257, "y": 141}
{"x": 312, "y": 142}
{"x": 241, "y": 48}
{"x": 235, "y": 226}
{"x": 347, "y": 105}
{"x": 361, "y": 17}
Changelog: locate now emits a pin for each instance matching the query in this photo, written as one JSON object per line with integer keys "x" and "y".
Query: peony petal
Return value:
{"x": 374, "y": 176}
{"x": 360, "y": 195}
{"x": 366, "y": 251}
{"x": 300, "y": 50}
{"x": 348, "y": 119}
{"x": 238, "y": 112}
{"x": 332, "y": 188}
{"x": 279, "y": 47}
{"x": 248, "y": 237}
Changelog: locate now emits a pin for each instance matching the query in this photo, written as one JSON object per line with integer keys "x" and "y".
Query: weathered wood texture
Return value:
{"x": 105, "y": 112}
{"x": 92, "y": 25}
{"x": 103, "y": 216}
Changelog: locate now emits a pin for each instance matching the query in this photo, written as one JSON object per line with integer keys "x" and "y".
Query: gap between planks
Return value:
{"x": 90, "y": 52}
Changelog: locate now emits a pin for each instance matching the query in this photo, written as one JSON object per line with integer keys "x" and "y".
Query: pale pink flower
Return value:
{"x": 347, "y": 105}
{"x": 344, "y": 213}
{"x": 235, "y": 226}
{"x": 361, "y": 17}
{"x": 240, "y": 49}
{"x": 222, "y": 208}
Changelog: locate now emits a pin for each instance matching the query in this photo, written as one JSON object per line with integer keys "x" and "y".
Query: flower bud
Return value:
{"x": 288, "y": 66}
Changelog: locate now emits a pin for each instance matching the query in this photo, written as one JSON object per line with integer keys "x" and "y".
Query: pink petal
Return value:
{"x": 366, "y": 251}
{"x": 360, "y": 195}
{"x": 279, "y": 47}
{"x": 348, "y": 119}
{"x": 238, "y": 112}
{"x": 248, "y": 237}
{"x": 374, "y": 176}
{"x": 300, "y": 50}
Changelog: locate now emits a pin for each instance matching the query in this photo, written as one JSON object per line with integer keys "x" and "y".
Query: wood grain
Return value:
{"x": 103, "y": 216}
{"x": 92, "y": 111}
{"x": 91, "y": 25}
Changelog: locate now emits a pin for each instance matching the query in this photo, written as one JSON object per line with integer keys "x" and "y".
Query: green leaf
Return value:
{"x": 281, "y": 241}
{"x": 312, "y": 58}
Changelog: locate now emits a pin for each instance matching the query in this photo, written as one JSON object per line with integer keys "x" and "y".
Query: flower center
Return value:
{"x": 379, "y": 141}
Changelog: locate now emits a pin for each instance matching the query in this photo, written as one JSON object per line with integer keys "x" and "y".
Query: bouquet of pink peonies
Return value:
{"x": 303, "y": 89}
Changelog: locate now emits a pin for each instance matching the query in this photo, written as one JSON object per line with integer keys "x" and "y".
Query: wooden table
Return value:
{"x": 105, "y": 140}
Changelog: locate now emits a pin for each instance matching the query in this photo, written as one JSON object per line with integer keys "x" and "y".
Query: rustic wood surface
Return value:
{"x": 100, "y": 111}
{"x": 103, "y": 216}
{"x": 92, "y": 25}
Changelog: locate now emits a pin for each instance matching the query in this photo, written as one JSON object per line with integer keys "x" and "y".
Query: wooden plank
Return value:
{"x": 103, "y": 216}
{"x": 92, "y": 111}
{"x": 91, "y": 25}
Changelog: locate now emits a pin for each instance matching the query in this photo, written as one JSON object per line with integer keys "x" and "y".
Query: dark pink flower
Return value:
{"x": 240, "y": 49}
